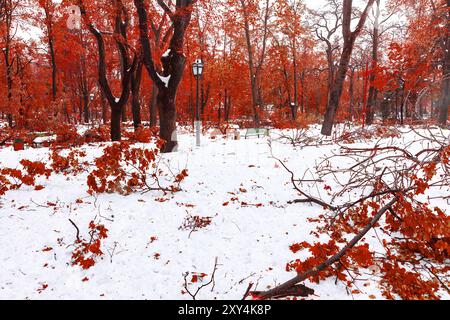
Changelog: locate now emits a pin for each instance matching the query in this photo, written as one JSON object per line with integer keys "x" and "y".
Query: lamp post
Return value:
{"x": 197, "y": 69}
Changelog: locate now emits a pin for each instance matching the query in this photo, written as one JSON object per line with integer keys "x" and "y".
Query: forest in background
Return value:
{"x": 267, "y": 63}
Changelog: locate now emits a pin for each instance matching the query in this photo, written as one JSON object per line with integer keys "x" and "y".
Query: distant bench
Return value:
{"x": 256, "y": 132}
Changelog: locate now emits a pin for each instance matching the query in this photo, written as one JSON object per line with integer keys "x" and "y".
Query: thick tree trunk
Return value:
{"x": 349, "y": 41}
{"x": 136, "y": 110}
{"x": 124, "y": 114}
{"x": 173, "y": 64}
{"x": 336, "y": 91}
{"x": 168, "y": 120}
{"x": 116, "y": 119}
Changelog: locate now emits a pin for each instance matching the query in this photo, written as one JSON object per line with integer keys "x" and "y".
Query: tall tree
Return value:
{"x": 349, "y": 38}
{"x": 255, "y": 64}
{"x": 173, "y": 64}
{"x": 49, "y": 8}
{"x": 445, "y": 90}
{"x": 326, "y": 25}
{"x": 9, "y": 9}
{"x": 289, "y": 21}
{"x": 121, "y": 22}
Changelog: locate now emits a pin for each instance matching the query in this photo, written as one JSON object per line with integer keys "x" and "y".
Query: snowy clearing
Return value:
{"x": 237, "y": 183}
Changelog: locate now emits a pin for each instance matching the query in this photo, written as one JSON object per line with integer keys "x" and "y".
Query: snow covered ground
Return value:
{"x": 250, "y": 241}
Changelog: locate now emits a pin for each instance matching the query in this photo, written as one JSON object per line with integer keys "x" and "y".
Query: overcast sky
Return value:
{"x": 35, "y": 33}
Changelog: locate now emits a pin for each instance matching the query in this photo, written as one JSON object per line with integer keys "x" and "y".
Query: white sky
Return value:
{"x": 32, "y": 32}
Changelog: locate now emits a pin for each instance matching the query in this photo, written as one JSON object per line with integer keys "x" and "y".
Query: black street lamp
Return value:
{"x": 197, "y": 69}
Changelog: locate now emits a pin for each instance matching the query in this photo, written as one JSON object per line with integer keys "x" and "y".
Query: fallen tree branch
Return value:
{"x": 286, "y": 287}
{"x": 247, "y": 292}
{"x": 309, "y": 199}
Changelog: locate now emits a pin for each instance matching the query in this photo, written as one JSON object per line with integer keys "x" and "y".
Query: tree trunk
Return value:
{"x": 302, "y": 81}
{"x": 385, "y": 107}
{"x": 86, "y": 113}
{"x": 373, "y": 92}
{"x": 173, "y": 64}
{"x": 255, "y": 70}
{"x": 117, "y": 105}
{"x": 124, "y": 113}
{"x": 116, "y": 119}
{"x": 349, "y": 41}
{"x": 351, "y": 94}
{"x": 135, "y": 90}
{"x": 168, "y": 120}
{"x": 336, "y": 91}
{"x": 153, "y": 106}
{"x": 445, "y": 91}
{"x": 294, "y": 63}
{"x": 104, "y": 109}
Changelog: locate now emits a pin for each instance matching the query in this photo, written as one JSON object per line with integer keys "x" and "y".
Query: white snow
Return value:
{"x": 252, "y": 244}
{"x": 165, "y": 79}
{"x": 43, "y": 139}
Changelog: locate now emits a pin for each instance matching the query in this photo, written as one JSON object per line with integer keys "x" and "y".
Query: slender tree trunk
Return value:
{"x": 51, "y": 47}
{"x": 445, "y": 91}
{"x": 351, "y": 93}
{"x": 294, "y": 63}
{"x": 254, "y": 69}
{"x": 373, "y": 92}
{"x": 8, "y": 63}
{"x": 402, "y": 105}
{"x": 84, "y": 84}
{"x": 135, "y": 90}
{"x": 302, "y": 81}
{"x": 86, "y": 111}
{"x": 153, "y": 106}
{"x": 227, "y": 106}
{"x": 385, "y": 106}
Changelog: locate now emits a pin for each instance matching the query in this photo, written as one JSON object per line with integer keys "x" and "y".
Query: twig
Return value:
{"x": 212, "y": 280}
{"x": 78, "y": 230}
{"x": 247, "y": 293}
